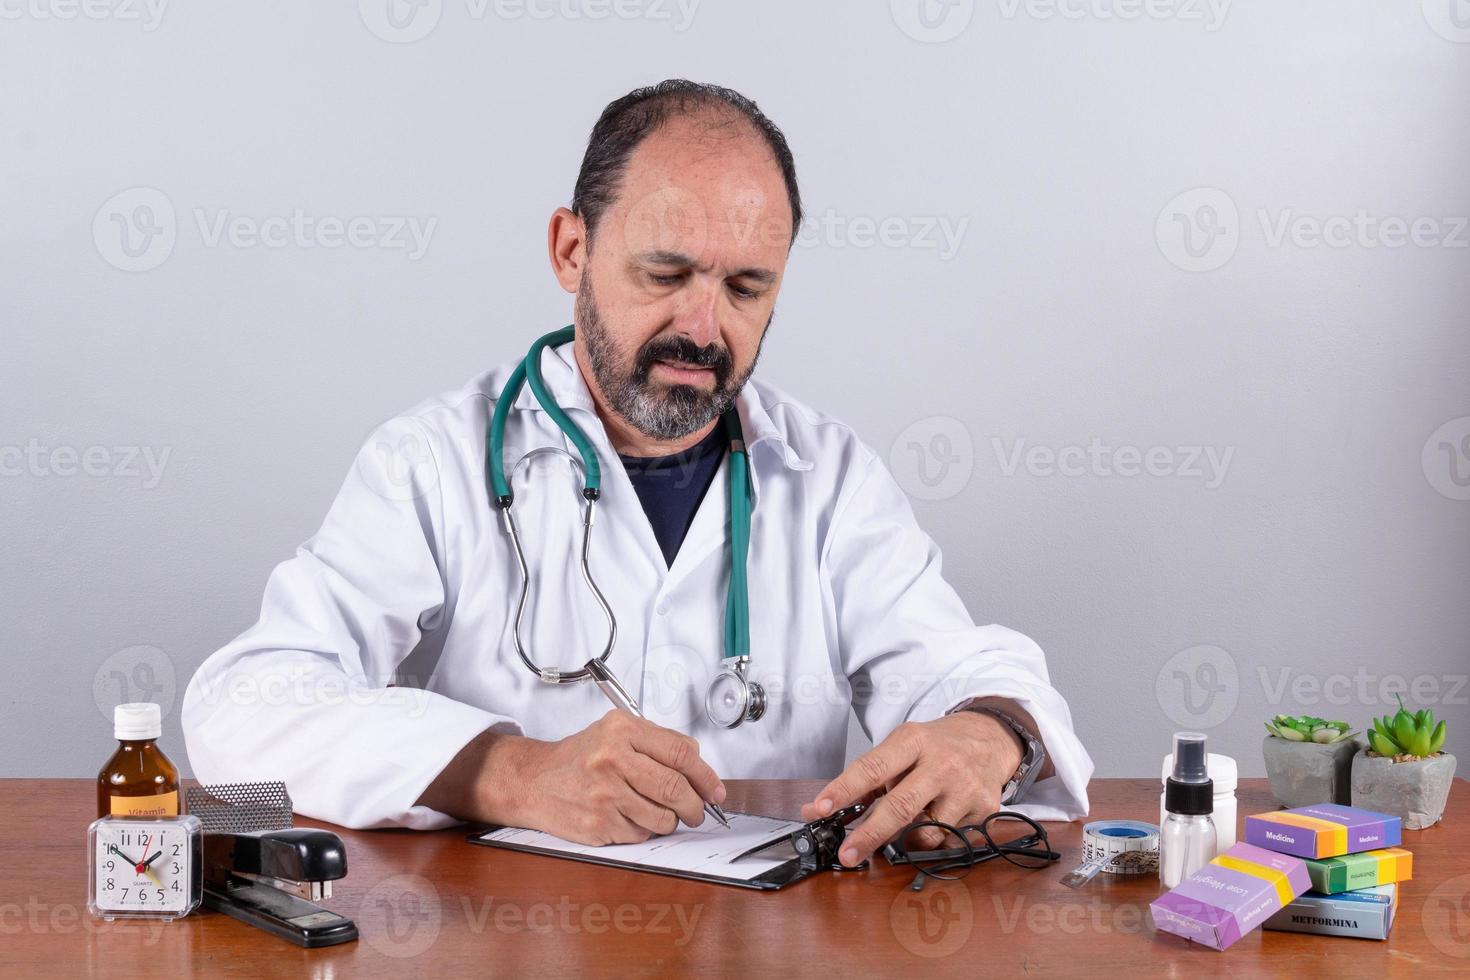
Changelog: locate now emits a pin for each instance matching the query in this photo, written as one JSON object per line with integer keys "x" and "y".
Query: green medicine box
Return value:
{"x": 1366, "y": 869}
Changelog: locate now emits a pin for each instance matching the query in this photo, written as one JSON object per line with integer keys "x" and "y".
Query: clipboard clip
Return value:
{"x": 814, "y": 847}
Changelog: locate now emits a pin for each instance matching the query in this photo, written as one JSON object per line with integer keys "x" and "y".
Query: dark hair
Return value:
{"x": 628, "y": 121}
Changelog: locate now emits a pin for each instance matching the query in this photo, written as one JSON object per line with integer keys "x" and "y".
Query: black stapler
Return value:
{"x": 261, "y": 871}
{"x": 272, "y": 880}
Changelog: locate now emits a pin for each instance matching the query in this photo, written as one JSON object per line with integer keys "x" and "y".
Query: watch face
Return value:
{"x": 145, "y": 867}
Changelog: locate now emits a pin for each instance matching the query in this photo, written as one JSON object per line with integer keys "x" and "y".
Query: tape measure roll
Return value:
{"x": 1123, "y": 847}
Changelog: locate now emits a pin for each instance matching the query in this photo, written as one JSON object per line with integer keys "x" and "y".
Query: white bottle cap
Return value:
{"x": 137, "y": 721}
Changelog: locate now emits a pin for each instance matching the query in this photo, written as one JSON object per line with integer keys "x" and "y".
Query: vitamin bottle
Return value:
{"x": 139, "y": 780}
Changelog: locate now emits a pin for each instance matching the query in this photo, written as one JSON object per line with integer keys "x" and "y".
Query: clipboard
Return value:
{"x": 779, "y": 852}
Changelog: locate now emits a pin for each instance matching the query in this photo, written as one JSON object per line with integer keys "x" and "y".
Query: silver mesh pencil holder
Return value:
{"x": 240, "y": 808}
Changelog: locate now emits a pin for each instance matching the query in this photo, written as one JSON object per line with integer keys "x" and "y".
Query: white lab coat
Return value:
{"x": 385, "y": 644}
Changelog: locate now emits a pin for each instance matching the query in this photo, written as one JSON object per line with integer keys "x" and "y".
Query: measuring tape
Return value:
{"x": 1121, "y": 847}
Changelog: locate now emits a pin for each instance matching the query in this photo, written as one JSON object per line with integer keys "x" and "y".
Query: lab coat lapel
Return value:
{"x": 619, "y": 501}
{"x": 622, "y": 505}
{"x": 710, "y": 529}
{"x": 621, "y": 514}
{"x": 764, "y": 444}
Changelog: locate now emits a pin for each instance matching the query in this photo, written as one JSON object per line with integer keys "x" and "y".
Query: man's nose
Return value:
{"x": 698, "y": 315}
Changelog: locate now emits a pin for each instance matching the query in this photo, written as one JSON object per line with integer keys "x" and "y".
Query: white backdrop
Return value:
{"x": 1157, "y": 309}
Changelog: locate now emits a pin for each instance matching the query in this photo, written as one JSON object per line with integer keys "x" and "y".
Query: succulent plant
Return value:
{"x": 1406, "y": 735}
{"x": 1308, "y": 729}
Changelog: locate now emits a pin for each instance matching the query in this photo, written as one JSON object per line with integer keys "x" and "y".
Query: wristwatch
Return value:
{"x": 1031, "y": 759}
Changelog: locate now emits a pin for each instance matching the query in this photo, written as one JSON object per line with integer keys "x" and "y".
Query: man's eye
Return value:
{"x": 743, "y": 292}
{"x": 672, "y": 280}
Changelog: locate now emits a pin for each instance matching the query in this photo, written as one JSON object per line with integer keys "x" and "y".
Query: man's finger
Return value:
{"x": 648, "y": 815}
{"x": 870, "y": 771}
{"x": 809, "y": 810}
{"x": 668, "y": 788}
{"x": 897, "y": 809}
{"x": 942, "y": 810}
{"x": 622, "y": 830}
{"x": 677, "y": 751}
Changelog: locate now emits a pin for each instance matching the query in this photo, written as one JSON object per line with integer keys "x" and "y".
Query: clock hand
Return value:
{"x": 139, "y": 867}
{"x": 142, "y": 866}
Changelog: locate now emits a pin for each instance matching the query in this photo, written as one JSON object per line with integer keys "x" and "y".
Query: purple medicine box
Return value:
{"x": 1231, "y": 895}
{"x": 1323, "y": 831}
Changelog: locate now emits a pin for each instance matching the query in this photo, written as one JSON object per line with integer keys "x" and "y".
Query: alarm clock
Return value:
{"x": 144, "y": 867}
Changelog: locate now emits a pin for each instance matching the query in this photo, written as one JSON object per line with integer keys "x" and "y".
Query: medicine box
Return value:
{"x": 1366, "y": 869}
{"x": 1363, "y": 914}
{"x": 1231, "y": 895}
{"x": 1322, "y": 831}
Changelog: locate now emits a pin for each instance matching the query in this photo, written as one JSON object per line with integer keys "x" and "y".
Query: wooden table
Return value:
{"x": 428, "y": 904}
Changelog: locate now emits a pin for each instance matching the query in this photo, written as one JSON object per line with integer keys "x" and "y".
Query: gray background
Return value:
{"x": 1324, "y": 568}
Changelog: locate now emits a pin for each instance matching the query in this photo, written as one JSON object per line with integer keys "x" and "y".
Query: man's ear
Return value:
{"x": 566, "y": 245}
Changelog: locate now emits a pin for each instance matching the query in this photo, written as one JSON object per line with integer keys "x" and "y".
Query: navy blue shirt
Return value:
{"x": 671, "y": 487}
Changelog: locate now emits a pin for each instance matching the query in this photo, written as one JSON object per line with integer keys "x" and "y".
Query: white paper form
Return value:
{"x": 707, "y": 849}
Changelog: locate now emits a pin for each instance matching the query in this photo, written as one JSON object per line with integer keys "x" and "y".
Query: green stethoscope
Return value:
{"x": 732, "y": 697}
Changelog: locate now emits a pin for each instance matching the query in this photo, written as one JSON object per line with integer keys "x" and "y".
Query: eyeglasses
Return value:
{"x": 1011, "y": 836}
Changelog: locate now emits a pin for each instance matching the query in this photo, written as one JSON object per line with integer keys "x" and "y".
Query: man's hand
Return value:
{"x": 621, "y": 780}
{"x": 954, "y": 767}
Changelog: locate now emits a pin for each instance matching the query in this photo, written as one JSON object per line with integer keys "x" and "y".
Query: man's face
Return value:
{"x": 682, "y": 276}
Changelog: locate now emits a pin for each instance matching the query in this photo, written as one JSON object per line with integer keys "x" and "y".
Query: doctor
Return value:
{"x": 382, "y": 681}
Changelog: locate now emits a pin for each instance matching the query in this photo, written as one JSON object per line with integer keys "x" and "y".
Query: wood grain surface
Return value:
{"x": 429, "y": 904}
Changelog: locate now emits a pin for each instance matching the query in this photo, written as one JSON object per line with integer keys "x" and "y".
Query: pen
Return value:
{"x": 608, "y": 684}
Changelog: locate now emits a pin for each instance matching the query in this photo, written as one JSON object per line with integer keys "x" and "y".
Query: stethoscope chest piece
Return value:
{"x": 732, "y": 697}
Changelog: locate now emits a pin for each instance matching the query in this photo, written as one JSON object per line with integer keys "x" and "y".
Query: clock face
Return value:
{"x": 145, "y": 866}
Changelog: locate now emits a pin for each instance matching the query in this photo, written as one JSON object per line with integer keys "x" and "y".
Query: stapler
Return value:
{"x": 272, "y": 880}
{"x": 262, "y": 871}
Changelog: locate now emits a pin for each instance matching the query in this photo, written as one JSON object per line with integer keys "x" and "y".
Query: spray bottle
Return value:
{"x": 1187, "y": 840}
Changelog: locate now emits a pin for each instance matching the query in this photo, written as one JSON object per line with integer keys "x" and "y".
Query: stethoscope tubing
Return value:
{"x": 552, "y": 675}
{"x": 737, "y": 604}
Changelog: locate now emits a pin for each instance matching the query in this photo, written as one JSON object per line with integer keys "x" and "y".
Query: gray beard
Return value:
{"x": 658, "y": 412}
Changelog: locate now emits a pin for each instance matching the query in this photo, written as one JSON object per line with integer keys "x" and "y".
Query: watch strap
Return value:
{"x": 1032, "y": 756}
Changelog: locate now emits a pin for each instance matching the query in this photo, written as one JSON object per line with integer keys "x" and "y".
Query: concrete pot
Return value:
{"x": 1304, "y": 773}
{"x": 1414, "y": 791}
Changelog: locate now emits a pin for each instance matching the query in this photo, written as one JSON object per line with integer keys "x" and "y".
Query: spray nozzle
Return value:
{"x": 1189, "y": 758}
